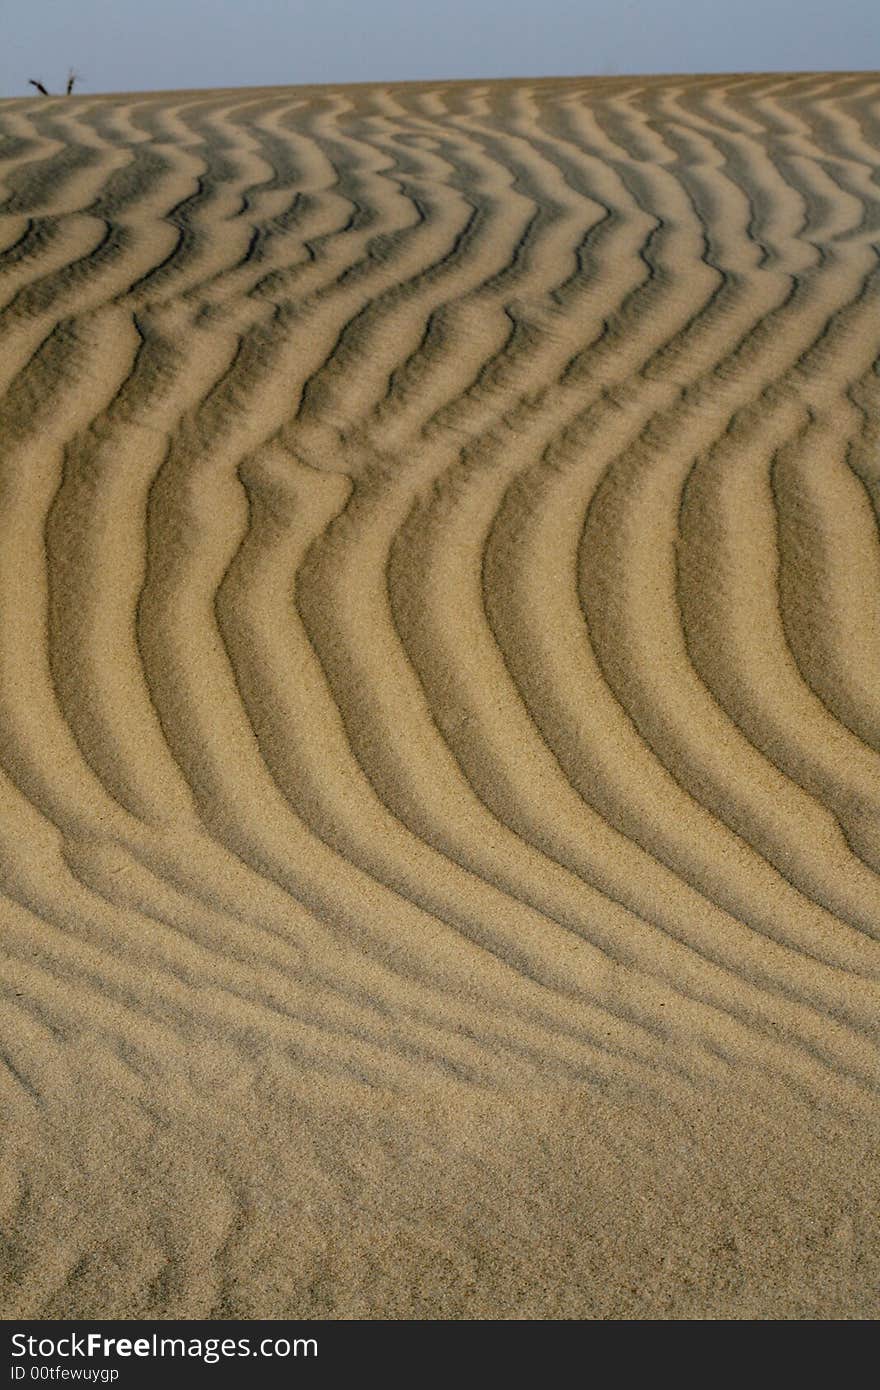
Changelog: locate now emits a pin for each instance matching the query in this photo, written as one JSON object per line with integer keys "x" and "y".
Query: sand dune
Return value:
{"x": 440, "y": 681}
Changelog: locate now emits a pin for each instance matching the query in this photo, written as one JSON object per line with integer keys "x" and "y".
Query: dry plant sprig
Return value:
{"x": 72, "y": 78}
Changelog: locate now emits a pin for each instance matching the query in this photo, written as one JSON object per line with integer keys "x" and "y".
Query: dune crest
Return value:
{"x": 440, "y": 699}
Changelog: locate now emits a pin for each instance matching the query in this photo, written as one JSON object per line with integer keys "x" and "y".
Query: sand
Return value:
{"x": 440, "y": 700}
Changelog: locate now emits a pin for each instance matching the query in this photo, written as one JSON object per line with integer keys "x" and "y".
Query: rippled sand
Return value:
{"x": 440, "y": 700}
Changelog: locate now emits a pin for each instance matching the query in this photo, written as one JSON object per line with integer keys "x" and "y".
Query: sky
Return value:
{"x": 145, "y": 45}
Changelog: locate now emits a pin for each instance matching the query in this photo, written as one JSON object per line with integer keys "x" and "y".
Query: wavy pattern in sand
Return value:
{"x": 439, "y": 622}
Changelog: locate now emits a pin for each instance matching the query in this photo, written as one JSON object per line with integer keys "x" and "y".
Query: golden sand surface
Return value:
{"x": 440, "y": 700}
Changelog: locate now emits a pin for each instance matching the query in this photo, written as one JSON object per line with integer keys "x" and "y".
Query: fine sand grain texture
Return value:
{"x": 440, "y": 700}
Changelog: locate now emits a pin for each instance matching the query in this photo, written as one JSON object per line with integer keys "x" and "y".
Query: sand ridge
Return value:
{"x": 439, "y": 659}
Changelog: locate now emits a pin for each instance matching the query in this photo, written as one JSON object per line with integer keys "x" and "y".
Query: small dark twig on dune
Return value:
{"x": 72, "y": 78}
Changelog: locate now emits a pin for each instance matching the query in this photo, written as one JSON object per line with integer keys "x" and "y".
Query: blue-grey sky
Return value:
{"x": 123, "y": 45}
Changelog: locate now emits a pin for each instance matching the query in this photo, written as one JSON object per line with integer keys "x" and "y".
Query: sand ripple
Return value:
{"x": 439, "y": 666}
